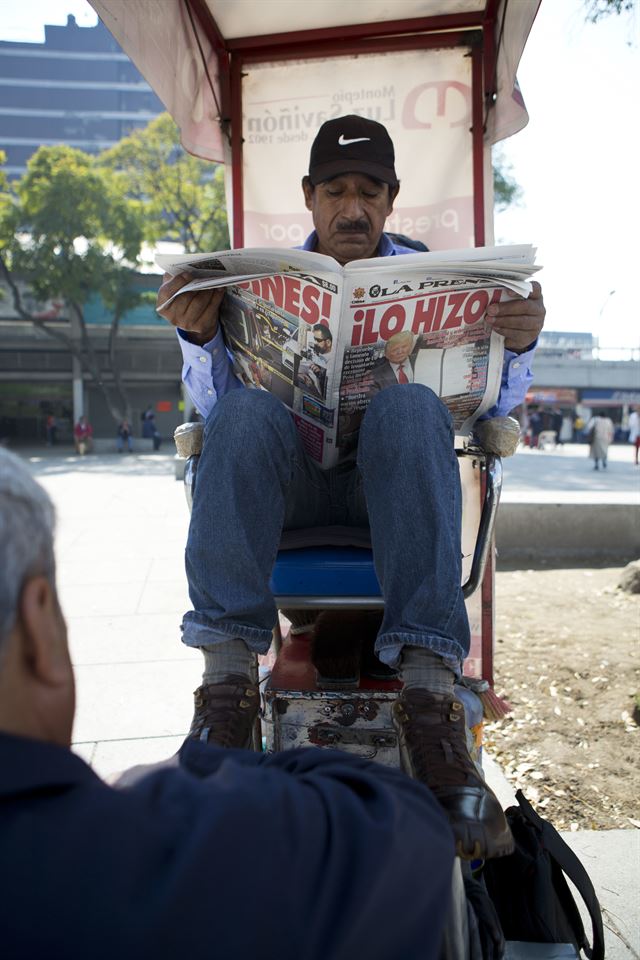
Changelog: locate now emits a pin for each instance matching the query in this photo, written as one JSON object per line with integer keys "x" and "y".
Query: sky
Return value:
{"x": 577, "y": 161}
{"x": 25, "y": 19}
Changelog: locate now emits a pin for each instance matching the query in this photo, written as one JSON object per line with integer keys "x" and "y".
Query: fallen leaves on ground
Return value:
{"x": 567, "y": 659}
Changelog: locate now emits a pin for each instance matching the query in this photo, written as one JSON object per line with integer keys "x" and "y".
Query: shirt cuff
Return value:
{"x": 516, "y": 379}
{"x": 191, "y": 350}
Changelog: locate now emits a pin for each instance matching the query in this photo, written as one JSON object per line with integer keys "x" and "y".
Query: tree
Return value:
{"x": 5, "y": 199}
{"x": 183, "y": 197}
{"x": 595, "y": 10}
{"x": 66, "y": 232}
{"x": 506, "y": 189}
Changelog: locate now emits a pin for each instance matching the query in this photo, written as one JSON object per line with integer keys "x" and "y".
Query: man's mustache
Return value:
{"x": 353, "y": 226}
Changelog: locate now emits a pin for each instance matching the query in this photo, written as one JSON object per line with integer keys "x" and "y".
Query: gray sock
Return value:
{"x": 423, "y": 668}
{"x": 226, "y": 658}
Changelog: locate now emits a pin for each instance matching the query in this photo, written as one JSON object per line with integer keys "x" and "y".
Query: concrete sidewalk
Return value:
{"x": 122, "y": 526}
{"x": 556, "y": 508}
{"x": 566, "y": 475}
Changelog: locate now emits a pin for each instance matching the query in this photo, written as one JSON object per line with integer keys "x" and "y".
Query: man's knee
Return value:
{"x": 403, "y": 424}
{"x": 249, "y": 418}
{"x": 405, "y": 408}
{"x": 248, "y": 411}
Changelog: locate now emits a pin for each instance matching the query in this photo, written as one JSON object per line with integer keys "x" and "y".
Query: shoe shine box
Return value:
{"x": 298, "y": 712}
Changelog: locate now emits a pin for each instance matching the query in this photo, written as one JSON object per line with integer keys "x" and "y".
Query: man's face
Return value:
{"x": 349, "y": 212}
{"x": 321, "y": 344}
{"x": 397, "y": 351}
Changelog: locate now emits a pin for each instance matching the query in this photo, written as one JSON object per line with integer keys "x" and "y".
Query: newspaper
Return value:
{"x": 326, "y": 339}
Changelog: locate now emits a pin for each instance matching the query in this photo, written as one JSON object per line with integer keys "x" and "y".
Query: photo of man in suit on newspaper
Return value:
{"x": 398, "y": 363}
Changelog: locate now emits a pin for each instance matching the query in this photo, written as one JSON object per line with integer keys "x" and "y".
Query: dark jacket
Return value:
{"x": 303, "y": 854}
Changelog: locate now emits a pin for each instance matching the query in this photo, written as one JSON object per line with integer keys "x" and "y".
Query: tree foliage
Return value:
{"x": 67, "y": 233}
{"x": 183, "y": 197}
{"x": 596, "y": 10}
{"x": 506, "y": 190}
{"x": 5, "y": 198}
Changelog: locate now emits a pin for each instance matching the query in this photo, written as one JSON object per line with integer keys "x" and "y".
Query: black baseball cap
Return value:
{"x": 352, "y": 144}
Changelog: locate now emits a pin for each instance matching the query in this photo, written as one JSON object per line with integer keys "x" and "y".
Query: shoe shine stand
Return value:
{"x": 298, "y": 710}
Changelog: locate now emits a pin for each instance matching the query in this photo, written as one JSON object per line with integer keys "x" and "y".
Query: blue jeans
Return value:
{"x": 254, "y": 480}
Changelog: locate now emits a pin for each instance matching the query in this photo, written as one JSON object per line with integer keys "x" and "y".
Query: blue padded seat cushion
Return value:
{"x": 324, "y": 572}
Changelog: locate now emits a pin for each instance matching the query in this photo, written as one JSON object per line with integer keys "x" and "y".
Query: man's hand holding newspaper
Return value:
{"x": 519, "y": 321}
{"x": 196, "y": 313}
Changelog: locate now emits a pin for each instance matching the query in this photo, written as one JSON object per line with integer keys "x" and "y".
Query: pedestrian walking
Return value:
{"x": 600, "y": 433}
{"x": 634, "y": 432}
{"x": 124, "y": 436}
{"x": 83, "y": 436}
{"x": 149, "y": 428}
{"x": 52, "y": 430}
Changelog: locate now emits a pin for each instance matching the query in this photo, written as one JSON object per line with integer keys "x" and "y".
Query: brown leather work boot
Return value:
{"x": 431, "y": 729}
{"x": 225, "y": 713}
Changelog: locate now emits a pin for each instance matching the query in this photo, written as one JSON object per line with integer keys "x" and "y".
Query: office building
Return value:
{"x": 77, "y": 87}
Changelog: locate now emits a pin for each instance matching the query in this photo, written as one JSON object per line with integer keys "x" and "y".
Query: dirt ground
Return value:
{"x": 567, "y": 659}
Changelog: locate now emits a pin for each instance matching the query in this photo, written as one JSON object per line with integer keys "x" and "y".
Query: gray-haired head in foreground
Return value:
{"x": 27, "y": 520}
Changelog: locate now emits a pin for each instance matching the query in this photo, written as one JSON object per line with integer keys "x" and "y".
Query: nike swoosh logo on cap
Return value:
{"x": 345, "y": 143}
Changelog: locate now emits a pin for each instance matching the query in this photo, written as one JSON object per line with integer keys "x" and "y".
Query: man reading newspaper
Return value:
{"x": 255, "y": 480}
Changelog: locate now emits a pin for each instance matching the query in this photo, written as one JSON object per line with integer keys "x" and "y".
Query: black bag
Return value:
{"x": 529, "y": 889}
